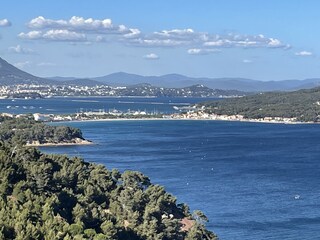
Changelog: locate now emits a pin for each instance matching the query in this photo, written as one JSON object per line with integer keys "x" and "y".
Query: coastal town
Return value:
{"x": 48, "y": 91}
{"x": 34, "y": 91}
{"x": 203, "y": 115}
{"x": 193, "y": 113}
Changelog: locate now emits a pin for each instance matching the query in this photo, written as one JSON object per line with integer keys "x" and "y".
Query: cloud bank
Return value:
{"x": 78, "y": 24}
{"x": 75, "y": 29}
{"x": 244, "y": 41}
{"x": 80, "y": 29}
{"x": 54, "y": 35}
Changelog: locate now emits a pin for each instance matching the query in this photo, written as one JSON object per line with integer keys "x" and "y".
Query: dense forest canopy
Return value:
{"x": 303, "y": 105}
{"x": 26, "y": 130}
{"x": 44, "y": 196}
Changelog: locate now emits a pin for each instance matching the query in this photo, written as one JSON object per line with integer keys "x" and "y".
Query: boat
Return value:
{"x": 183, "y": 108}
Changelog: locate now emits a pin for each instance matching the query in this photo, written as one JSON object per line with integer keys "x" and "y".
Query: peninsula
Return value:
{"x": 45, "y": 196}
{"x": 301, "y": 106}
{"x": 26, "y": 131}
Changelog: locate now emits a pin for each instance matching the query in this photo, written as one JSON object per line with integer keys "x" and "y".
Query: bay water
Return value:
{"x": 252, "y": 180}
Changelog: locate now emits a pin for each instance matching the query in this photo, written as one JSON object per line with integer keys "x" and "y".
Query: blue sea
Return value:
{"x": 253, "y": 181}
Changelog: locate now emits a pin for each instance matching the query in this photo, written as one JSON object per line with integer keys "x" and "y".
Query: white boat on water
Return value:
{"x": 183, "y": 108}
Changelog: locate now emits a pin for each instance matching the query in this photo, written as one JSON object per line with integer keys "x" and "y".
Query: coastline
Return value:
{"x": 83, "y": 142}
{"x": 185, "y": 119}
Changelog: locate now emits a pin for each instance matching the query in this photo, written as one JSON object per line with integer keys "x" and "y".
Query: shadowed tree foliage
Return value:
{"x": 23, "y": 130}
{"x": 44, "y": 196}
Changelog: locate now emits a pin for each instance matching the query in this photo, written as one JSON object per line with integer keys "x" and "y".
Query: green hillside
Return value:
{"x": 304, "y": 105}
{"x": 26, "y": 131}
{"x": 56, "y": 197}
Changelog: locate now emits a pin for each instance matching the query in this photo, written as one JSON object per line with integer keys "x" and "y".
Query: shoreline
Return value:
{"x": 184, "y": 119}
{"x": 84, "y": 142}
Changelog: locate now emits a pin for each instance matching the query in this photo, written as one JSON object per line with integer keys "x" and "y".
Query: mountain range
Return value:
{"x": 178, "y": 81}
{"x": 10, "y": 75}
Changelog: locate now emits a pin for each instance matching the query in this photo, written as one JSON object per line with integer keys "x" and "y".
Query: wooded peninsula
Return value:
{"x": 301, "y": 106}
{"x": 45, "y": 196}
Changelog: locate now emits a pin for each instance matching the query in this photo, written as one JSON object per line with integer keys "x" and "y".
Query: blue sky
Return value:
{"x": 263, "y": 40}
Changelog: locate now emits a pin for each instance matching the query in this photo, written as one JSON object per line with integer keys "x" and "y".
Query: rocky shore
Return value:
{"x": 75, "y": 141}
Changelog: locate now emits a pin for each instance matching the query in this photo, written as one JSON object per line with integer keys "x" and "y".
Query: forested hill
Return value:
{"x": 27, "y": 131}
{"x": 55, "y": 197}
{"x": 303, "y": 105}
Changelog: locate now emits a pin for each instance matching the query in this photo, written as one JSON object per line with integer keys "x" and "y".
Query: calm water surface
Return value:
{"x": 67, "y": 105}
{"x": 244, "y": 176}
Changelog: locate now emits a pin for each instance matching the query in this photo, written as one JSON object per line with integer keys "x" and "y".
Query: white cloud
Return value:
{"x": 80, "y": 29}
{"x": 22, "y": 64}
{"x": 247, "y": 61}
{"x": 40, "y": 22}
{"x": 31, "y": 35}
{"x": 274, "y": 42}
{"x": 202, "y": 51}
{"x": 131, "y": 35}
{"x": 64, "y": 35}
{"x": 156, "y": 42}
{"x": 151, "y": 56}
{"x": 218, "y": 43}
{"x": 178, "y": 33}
{"x": 303, "y": 53}
{"x": 245, "y": 41}
{"x": 54, "y": 35}
{"x": 79, "y": 24}
{"x": 198, "y": 40}
{"x": 134, "y": 33}
{"x": 5, "y": 23}
{"x": 20, "y": 50}
{"x": 169, "y": 38}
